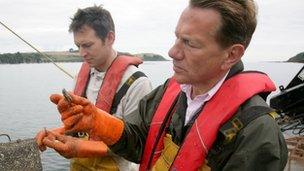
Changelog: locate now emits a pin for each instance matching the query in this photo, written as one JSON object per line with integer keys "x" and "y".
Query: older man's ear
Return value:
{"x": 234, "y": 55}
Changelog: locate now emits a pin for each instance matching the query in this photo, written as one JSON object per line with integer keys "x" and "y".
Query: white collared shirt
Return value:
{"x": 96, "y": 78}
{"x": 195, "y": 104}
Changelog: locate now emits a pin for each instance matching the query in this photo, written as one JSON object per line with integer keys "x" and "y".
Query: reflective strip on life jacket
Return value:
{"x": 110, "y": 83}
{"x": 218, "y": 110}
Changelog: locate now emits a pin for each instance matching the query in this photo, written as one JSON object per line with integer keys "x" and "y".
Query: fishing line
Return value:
{"x": 44, "y": 55}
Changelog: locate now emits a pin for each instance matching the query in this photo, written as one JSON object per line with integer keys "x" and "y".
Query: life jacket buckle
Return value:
{"x": 231, "y": 132}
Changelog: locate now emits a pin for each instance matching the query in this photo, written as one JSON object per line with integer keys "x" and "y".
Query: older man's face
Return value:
{"x": 197, "y": 57}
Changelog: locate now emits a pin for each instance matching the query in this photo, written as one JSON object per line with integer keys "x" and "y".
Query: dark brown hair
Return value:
{"x": 95, "y": 17}
{"x": 238, "y": 19}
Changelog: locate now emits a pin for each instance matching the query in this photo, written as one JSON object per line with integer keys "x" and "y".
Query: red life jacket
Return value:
{"x": 217, "y": 111}
{"x": 110, "y": 83}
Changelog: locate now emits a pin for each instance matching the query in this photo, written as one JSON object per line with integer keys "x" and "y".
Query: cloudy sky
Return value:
{"x": 145, "y": 26}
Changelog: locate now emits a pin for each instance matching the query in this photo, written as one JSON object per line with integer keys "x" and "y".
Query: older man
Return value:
{"x": 210, "y": 115}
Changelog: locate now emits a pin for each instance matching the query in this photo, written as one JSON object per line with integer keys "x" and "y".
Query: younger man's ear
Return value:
{"x": 234, "y": 54}
{"x": 110, "y": 38}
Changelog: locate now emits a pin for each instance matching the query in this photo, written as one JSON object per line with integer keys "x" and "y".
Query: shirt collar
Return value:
{"x": 96, "y": 75}
{"x": 94, "y": 71}
{"x": 187, "y": 88}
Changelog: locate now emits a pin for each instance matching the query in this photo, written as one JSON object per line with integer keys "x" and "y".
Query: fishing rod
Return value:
{"x": 43, "y": 54}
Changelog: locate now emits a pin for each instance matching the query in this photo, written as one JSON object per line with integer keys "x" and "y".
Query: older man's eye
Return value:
{"x": 186, "y": 41}
{"x": 189, "y": 43}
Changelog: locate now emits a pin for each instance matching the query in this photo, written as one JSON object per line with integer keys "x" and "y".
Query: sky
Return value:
{"x": 144, "y": 26}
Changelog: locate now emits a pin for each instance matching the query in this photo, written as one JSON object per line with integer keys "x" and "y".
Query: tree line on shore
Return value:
{"x": 18, "y": 58}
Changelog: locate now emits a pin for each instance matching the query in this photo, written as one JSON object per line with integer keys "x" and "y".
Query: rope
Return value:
{"x": 44, "y": 55}
{"x": 9, "y": 138}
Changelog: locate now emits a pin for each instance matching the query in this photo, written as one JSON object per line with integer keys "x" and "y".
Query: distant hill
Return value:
{"x": 151, "y": 57}
{"x": 298, "y": 58}
{"x": 64, "y": 56}
{"x": 17, "y": 58}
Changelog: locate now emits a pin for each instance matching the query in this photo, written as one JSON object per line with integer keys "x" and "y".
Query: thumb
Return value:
{"x": 55, "y": 98}
{"x": 79, "y": 100}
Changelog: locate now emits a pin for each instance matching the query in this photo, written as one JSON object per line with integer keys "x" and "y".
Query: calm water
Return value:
{"x": 25, "y": 88}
